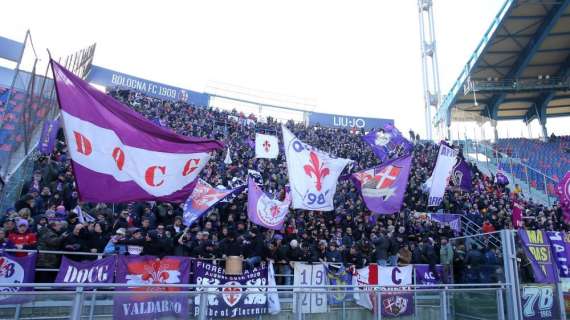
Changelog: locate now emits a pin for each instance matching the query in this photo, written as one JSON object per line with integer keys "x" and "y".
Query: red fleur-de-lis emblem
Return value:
{"x": 155, "y": 273}
{"x": 274, "y": 210}
{"x": 314, "y": 167}
{"x": 266, "y": 145}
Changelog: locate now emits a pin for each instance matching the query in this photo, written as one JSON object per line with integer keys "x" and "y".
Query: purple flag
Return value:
{"x": 560, "y": 247}
{"x": 563, "y": 191}
{"x": 155, "y": 302}
{"x": 453, "y": 220}
{"x": 426, "y": 277}
{"x": 383, "y": 186}
{"x": 16, "y": 270}
{"x": 118, "y": 155}
{"x": 202, "y": 199}
{"x": 264, "y": 211}
{"x": 48, "y": 137}
{"x": 537, "y": 249}
{"x": 232, "y": 300}
{"x": 98, "y": 271}
{"x": 388, "y": 143}
{"x": 461, "y": 175}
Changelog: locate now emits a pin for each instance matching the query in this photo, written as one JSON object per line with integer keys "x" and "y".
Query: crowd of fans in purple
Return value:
{"x": 47, "y": 216}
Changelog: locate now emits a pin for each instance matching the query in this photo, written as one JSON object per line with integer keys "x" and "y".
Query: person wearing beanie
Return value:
{"x": 23, "y": 238}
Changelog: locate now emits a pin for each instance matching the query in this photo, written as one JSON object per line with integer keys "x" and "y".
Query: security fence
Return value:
{"x": 102, "y": 301}
{"x": 499, "y": 290}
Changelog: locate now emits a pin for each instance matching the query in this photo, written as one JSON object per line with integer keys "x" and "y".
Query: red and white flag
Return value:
{"x": 266, "y": 146}
{"x": 313, "y": 174}
{"x": 119, "y": 156}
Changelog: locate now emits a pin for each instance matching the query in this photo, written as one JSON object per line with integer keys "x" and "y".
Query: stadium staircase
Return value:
{"x": 489, "y": 160}
{"x": 472, "y": 233}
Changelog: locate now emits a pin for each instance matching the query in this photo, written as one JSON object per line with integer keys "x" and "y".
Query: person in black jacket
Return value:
{"x": 230, "y": 246}
{"x": 382, "y": 248}
{"x": 97, "y": 239}
{"x": 255, "y": 250}
{"x": 354, "y": 258}
{"x": 158, "y": 243}
{"x": 430, "y": 256}
{"x": 76, "y": 241}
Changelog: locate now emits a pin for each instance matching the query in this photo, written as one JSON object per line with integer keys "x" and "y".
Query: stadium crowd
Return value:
{"x": 49, "y": 216}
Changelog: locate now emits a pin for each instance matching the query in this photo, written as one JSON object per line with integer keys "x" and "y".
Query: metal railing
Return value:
{"x": 90, "y": 301}
{"x": 493, "y": 159}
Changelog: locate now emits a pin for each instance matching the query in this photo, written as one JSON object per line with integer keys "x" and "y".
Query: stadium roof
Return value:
{"x": 520, "y": 69}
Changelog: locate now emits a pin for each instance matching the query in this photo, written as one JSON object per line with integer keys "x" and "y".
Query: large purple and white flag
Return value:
{"x": 313, "y": 174}
{"x": 563, "y": 191}
{"x": 202, "y": 199}
{"x": 461, "y": 175}
{"x": 151, "y": 302}
{"x": 16, "y": 270}
{"x": 48, "y": 137}
{"x": 441, "y": 174}
{"x": 536, "y": 246}
{"x": 388, "y": 143}
{"x": 117, "y": 154}
{"x": 98, "y": 271}
{"x": 560, "y": 247}
{"x": 383, "y": 186}
{"x": 245, "y": 295}
{"x": 265, "y": 211}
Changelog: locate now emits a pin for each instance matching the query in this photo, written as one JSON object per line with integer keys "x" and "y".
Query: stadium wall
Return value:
{"x": 113, "y": 79}
{"x": 340, "y": 121}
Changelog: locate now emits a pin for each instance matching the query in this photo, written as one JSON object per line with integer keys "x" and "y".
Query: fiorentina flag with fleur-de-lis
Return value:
{"x": 266, "y": 146}
{"x": 151, "y": 302}
{"x": 119, "y": 156}
{"x": 313, "y": 174}
{"x": 264, "y": 211}
{"x": 383, "y": 186}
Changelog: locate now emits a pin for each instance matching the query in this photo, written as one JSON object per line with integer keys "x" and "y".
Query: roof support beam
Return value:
{"x": 545, "y": 98}
{"x": 528, "y": 53}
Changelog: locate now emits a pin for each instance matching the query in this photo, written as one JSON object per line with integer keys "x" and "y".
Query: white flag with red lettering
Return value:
{"x": 266, "y": 146}
{"x": 119, "y": 156}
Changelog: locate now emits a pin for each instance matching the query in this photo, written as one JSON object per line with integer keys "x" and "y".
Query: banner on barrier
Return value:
{"x": 399, "y": 301}
{"x": 232, "y": 300}
{"x": 539, "y": 302}
{"x": 156, "y": 302}
{"x": 536, "y": 246}
{"x": 16, "y": 270}
{"x": 560, "y": 247}
{"x": 98, "y": 271}
{"x": 310, "y": 275}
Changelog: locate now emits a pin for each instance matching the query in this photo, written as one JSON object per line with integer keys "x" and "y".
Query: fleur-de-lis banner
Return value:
{"x": 155, "y": 302}
{"x": 266, "y": 146}
{"x": 264, "y": 211}
{"x": 313, "y": 174}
